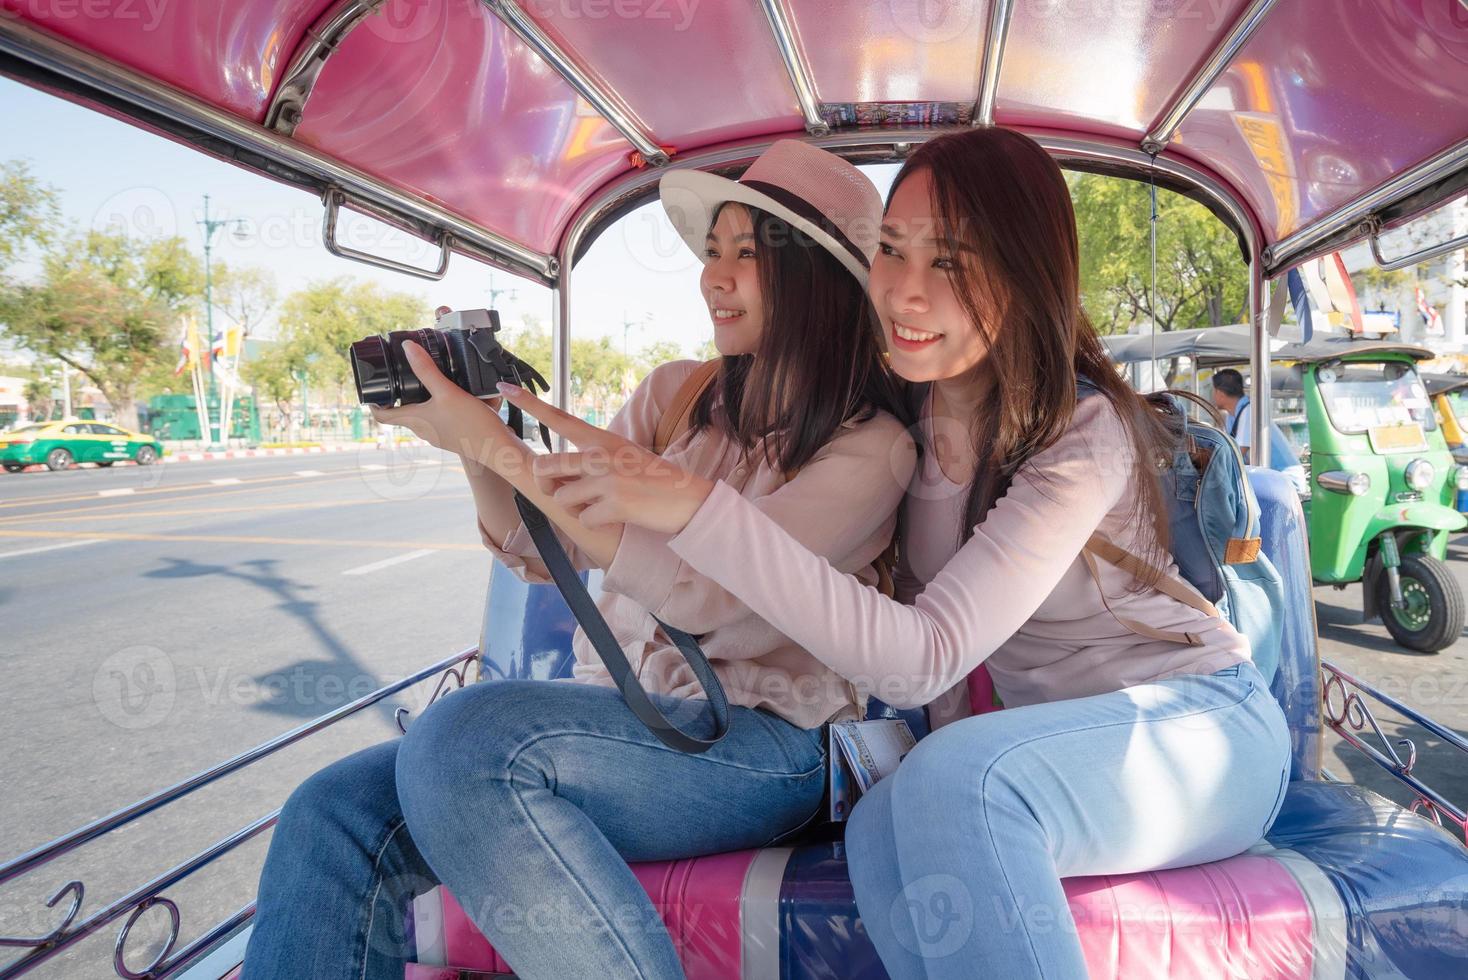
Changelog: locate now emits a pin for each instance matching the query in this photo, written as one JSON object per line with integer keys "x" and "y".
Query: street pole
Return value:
{"x": 210, "y": 227}
{"x": 65, "y": 390}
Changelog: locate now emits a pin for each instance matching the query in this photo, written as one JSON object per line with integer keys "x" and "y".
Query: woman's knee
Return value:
{"x": 340, "y": 795}
{"x": 469, "y": 738}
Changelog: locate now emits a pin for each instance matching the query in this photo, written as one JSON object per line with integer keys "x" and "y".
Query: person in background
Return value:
{"x": 1230, "y": 397}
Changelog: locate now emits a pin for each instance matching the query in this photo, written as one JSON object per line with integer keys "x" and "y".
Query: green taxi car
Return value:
{"x": 64, "y": 443}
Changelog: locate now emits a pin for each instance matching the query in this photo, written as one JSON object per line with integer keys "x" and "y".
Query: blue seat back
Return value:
{"x": 1296, "y": 683}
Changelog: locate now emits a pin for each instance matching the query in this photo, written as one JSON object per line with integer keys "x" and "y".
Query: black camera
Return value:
{"x": 463, "y": 346}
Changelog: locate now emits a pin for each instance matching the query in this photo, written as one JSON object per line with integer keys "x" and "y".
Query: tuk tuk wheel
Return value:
{"x": 1431, "y": 617}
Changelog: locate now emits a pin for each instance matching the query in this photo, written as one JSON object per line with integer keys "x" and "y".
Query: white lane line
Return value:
{"x": 309, "y": 473}
{"x": 117, "y": 492}
{"x": 48, "y": 547}
{"x": 373, "y": 466}
{"x": 388, "y": 562}
{"x": 225, "y": 481}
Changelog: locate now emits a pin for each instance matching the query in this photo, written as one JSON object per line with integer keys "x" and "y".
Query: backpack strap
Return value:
{"x": 675, "y": 420}
{"x": 1170, "y": 585}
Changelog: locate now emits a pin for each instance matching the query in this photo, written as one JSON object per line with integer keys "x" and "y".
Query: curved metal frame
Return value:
{"x": 993, "y": 64}
{"x": 1166, "y": 126}
{"x": 333, "y": 198}
{"x": 611, "y": 106}
{"x": 1361, "y": 217}
{"x": 1412, "y": 258}
{"x": 783, "y": 28}
{"x": 322, "y": 39}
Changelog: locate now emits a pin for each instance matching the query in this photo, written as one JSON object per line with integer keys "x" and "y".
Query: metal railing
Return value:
{"x": 141, "y": 899}
{"x": 1346, "y": 711}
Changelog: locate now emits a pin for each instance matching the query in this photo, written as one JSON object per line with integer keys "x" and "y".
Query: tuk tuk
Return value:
{"x": 1384, "y": 484}
{"x": 517, "y": 133}
{"x": 1447, "y": 392}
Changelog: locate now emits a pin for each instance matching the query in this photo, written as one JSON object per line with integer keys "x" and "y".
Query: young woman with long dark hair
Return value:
{"x": 1117, "y": 752}
{"x": 527, "y": 798}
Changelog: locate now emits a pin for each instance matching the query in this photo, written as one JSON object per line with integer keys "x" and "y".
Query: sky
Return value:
{"x": 109, "y": 174}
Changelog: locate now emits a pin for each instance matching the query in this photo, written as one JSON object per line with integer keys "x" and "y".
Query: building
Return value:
{"x": 1443, "y": 280}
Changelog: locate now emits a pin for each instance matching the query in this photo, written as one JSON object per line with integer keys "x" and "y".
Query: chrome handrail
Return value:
{"x": 1352, "y": 715}
{"x": 146, "y": 896}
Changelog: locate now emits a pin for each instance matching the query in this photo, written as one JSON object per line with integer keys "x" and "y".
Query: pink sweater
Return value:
{"x": 840, "y": 509}
{"x": 1016, "y": 596}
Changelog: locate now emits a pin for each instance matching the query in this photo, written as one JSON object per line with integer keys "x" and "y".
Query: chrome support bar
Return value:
{"x": 783, "y": 27}
{"x": 1360, "y": 217}
{"x": 83, "y": 835}
{"x": 1261, "y": 405}
{"x": 322, "y": 39}
{"x": 163, "y": 107}
{"x": 606, "y": 102}
{"x": 333, "y": 198}
{"x": 993, "y": 63}
{"x": 1165, "y": 127}
{"x": 1412, "y": 258}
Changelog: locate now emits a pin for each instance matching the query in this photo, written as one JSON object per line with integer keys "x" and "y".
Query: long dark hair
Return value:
{"x": 999, "y": 193}
{"x": 819, "y": 362}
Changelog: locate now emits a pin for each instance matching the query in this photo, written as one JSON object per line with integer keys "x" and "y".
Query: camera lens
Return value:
{"x": 381, "y": 369}
{"x": 371, "y": 367}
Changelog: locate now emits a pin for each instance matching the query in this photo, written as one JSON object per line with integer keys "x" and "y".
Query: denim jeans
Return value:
{"x": 526, "y": 799}
{"x": 957, "y": 857}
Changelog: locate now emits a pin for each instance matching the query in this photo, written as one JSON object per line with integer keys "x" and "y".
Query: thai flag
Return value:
{"x": 216, "y": 347}
{"x": 185, "y": 354}
{"x": 1300, "y": 300}
{"x": 1431, "y": 317}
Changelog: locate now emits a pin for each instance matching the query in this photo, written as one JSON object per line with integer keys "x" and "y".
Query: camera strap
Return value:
{"x": 573, "y": 590}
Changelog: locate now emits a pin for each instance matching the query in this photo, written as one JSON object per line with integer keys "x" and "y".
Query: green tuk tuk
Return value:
{"x": 1383, "y": 482}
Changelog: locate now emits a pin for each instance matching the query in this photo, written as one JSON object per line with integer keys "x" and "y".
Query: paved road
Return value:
{"x": 161, "y": 619}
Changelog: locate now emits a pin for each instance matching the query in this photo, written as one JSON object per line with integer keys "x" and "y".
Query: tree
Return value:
{"x": 28, "y": 212}
{"x": 107, "y": 306}
{"x": 325, "y": 318}
{"x": 1202, "y": 280}
{"x": 244, "y": 295}
{"x": 39, "y": 396}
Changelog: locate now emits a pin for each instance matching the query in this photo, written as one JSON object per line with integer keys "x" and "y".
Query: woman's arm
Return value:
{"x": 909, "y": 655}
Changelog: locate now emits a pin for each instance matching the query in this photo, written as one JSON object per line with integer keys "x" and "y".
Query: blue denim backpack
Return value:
{"x": 1213, "y": 517}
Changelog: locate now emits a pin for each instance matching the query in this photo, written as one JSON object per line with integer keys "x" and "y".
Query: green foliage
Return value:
{"x": 106, "y": 305}
{"x": 28, "y": 213}
{"x": 1202, "y": 280}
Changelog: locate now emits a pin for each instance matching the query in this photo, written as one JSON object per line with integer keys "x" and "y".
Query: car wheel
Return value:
{"x": 58, "y": 459}
{"x": 146, "y": 456}
{"x": 1431, "y": 618}
{"x": 14, "y": 467}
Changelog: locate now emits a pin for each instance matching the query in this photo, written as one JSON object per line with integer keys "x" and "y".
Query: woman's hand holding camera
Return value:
{"x": 612, "y": 480}
{"x": 450, "y": 419}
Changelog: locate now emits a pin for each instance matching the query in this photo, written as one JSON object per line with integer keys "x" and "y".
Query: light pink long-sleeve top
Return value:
{"x": 1016, "y": 595}
{"x": 840, "y": 507}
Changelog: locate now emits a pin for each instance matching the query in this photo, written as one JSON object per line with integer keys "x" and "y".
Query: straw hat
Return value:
{"x": 815, "y": 191}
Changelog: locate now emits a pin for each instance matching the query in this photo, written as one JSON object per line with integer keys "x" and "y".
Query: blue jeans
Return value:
{"x": 526, "y": 799}
{"x": 957, "y": 857}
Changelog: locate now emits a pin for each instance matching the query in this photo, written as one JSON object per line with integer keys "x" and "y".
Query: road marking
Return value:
{"x": 115, "y": 492}
{"x": 309, "y": 473}
{"x": 373, "y": 466}
{"x": 225, "y": 481}
{"x": 48, "y": 547}
{"x": 388, "y": 562}
{"x": 243, "y": 539}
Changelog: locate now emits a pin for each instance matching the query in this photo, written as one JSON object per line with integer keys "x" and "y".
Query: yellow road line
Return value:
{"x": 244, "y": 539}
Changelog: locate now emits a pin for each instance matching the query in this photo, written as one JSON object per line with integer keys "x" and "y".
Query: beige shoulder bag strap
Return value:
{"x": 1169, "y": 585}
{"x": 675, "y": 420}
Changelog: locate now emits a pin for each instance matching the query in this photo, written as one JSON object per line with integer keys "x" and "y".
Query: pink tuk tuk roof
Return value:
{"x": 441, "y": 100}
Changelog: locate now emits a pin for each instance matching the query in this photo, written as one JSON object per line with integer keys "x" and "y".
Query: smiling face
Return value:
{"x": 730, "y": 282}
{"x": 913, "y": 286}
